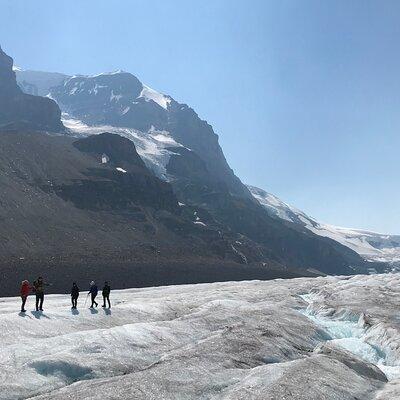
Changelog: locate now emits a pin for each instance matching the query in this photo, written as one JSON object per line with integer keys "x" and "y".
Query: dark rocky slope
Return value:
{"x": 67, "y": 216}
{"x": 18, "y": 109}
{"x": 282, "y": 241}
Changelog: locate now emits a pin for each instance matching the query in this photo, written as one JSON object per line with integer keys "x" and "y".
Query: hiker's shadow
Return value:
{"x": 22, "y": 314}
{"x": 39, "y": 314}
{"x": 93, "y": 311}
{"x": 107, "y": 311}
{"x": 74, "y": 311}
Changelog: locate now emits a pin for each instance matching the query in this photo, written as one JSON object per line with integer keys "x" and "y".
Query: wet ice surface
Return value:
{"x": 234, "y": 340}
{"x": 352, "y": 336}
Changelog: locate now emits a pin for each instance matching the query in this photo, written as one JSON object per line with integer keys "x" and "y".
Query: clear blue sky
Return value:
{"x": 305, "y": 95}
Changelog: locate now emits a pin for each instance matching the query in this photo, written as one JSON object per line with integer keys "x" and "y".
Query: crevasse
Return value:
{"x": 351, "y": 335}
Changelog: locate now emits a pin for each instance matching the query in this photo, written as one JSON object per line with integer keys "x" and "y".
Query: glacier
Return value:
{"x": 307, "y": 338}
{"x": 153, "y": 146}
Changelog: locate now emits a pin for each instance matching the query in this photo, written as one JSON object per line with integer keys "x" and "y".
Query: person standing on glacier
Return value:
{"x": 106, "y": 295}
{"x": 93, "y": 292}
{"x": 74, "y": 295}
{"x": 25, "y": 290}
{"x": 38, "y": 287}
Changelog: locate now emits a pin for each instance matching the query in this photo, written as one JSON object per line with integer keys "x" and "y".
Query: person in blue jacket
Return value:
{"x": 93, "y": 292}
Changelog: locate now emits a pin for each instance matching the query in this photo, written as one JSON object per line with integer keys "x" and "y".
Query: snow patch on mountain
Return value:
{"x": 276, "y": 206}
{"x": 116, "y": 72}
{"x": 370, "y": 245}
{"x": 373, "y": 246}
{"x": 152, "y": 146}
{"x": 159, "y": 98}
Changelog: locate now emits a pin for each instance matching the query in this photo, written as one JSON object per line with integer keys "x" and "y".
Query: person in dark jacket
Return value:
{"x": 38, "y": 287}
{"x": 93, "y": 292}
{"x": 106, "y": 295}
{"x": 74, "y": 295}
{"x": 25, "y": 290}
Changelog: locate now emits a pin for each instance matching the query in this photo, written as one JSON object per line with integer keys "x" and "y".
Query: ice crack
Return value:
{"x": 351, "y": 335}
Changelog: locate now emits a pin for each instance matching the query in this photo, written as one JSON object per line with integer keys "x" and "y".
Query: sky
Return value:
{"x": 304, "y": 95}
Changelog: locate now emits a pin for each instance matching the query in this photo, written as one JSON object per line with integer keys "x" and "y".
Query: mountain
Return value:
{"x": 372, "y": 246}
{"x": 213, "y": 221}
{"x": 18, "y": 109}
{"x": 119, "y": 99}
{"x": 184, "y": 150}
{"x": 75, "y": 207}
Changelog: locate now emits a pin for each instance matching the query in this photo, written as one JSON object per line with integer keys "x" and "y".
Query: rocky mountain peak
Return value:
{"x": 21, "y": 110}
{"x": 8, "y": 83}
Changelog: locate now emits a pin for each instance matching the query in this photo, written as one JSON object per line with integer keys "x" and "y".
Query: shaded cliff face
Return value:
{"x": 20, "y": 110}
{"x": 8, "y": 85}
{"x": 117, "y": 150}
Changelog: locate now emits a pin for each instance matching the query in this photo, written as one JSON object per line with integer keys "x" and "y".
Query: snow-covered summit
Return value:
{"x": 370, "y": 245}
{"x": 96, "y": 83}
{"x": 117, "y": 71}
{"x": 120, "y": 84}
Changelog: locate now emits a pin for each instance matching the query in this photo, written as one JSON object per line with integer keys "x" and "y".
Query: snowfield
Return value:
{"x": 322, "y": 338}
{"x": 150, "y": 94}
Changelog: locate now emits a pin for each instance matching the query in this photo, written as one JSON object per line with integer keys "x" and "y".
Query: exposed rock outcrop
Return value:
{"x": 20, "y": 110}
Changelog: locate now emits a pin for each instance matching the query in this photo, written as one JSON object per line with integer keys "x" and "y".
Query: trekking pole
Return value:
{"x": 86, "y": 300}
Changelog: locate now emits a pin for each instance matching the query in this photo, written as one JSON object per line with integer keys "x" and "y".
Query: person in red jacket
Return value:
{"x": 25, "y": 290}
